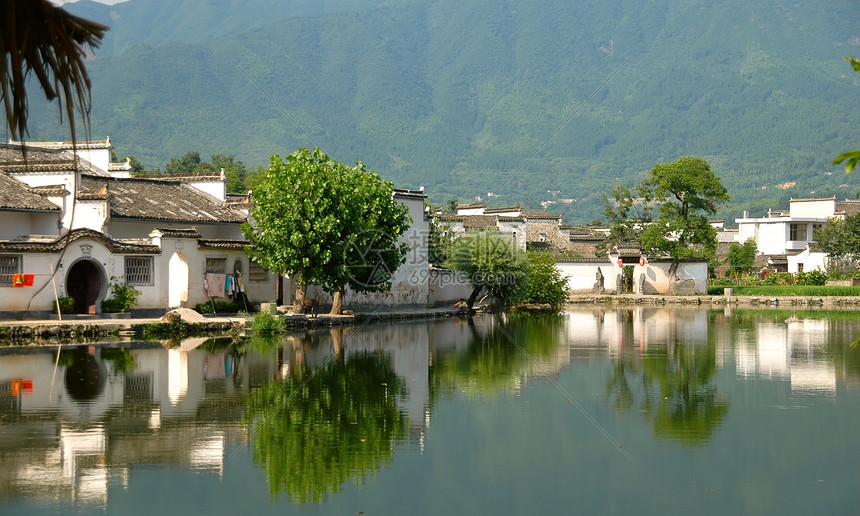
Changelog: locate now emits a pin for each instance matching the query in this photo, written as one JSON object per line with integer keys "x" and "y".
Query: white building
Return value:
{"x": 787, "y": 236}
{"x": 73, "y": 221}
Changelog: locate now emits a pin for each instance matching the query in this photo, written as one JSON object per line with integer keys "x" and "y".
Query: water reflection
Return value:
{"x": 321, "y": 410}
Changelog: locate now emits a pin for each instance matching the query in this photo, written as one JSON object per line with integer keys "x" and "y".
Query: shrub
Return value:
{"x": 543, "y": 284}
{"x": 67, "y": 305}
{"x": 267, "y": 323}
{"x": 124, "y": 296}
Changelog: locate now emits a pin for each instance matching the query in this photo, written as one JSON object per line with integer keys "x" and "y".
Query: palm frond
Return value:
{"x": 40, "y": 38}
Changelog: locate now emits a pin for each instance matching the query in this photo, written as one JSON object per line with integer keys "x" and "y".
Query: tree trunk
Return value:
{"x": 337, "y": 302}
{"x": 299, "y": 302}
{"x": 472, "y": 297}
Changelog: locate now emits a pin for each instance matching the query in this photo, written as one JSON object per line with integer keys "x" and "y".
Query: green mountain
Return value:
{"x": 531, "y": 100}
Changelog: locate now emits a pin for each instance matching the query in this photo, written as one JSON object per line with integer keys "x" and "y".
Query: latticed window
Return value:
{"x": 216, "y": 265}
{"x": 138, "y": 270}
{"x": 9, "y": 266}
{"x": 257, "y": 272}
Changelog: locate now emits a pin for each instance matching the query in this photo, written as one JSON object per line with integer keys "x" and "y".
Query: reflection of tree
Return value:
{"x": 495, "y": 360}
{"x": 123, "y": 360}
{"x": 675, "y": 390}
{"x": 318, "y": 429}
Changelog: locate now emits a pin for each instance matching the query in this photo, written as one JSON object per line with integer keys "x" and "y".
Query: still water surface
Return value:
{"x": 599, "y": 411}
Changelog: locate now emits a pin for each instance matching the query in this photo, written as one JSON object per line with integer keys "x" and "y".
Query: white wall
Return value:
{"x": 447, "y": 287}
{"x": 653, "y": 278}
{"x": 812, "y": 207}
{"x": 583, "y": 274}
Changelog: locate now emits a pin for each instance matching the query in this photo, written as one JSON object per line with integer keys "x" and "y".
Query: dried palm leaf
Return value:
{"x": 40, "y": 38}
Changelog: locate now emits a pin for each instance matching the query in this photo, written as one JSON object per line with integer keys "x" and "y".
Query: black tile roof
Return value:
{"x": 160, "y": 199}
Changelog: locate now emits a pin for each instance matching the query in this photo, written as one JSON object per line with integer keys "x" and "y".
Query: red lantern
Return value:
{"x": 642, "y": 261}
{"x": 620, "y": 262}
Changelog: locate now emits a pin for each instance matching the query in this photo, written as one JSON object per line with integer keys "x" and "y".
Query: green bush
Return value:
{"x": 543, "y": 283}
{"x": 67, "y": 305}
{"x": 224, "y": 307}
{"x": 266, "y": 323}
{"x": 124, "y": 297}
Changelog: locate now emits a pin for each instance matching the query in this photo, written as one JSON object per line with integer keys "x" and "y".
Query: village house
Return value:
{"x": 528, "y": 228}
{"x": 74, "y": 222}
{"x": 785, "y": 239}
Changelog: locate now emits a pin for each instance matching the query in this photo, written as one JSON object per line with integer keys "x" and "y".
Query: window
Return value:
{"x": 800, "y": 267}
{"x": 797, "y": 232}
{"x": 138, "y": 270}
{"x": 216, "y": 265}
{"x": 257, "y": 272}
{"x": 9, "y": 266}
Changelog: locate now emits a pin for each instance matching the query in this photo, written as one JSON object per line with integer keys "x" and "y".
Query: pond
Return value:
{"x": 597, "y": 411}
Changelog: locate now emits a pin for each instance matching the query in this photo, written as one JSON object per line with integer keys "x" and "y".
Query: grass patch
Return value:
{"x": 789, "y": 290}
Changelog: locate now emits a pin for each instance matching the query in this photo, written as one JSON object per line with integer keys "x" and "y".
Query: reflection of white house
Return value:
{"x": 87, "y": 219}
{"x": 786, "y": 237}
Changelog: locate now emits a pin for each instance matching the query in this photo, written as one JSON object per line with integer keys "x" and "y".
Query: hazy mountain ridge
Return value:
{"x": 460, "y": 96}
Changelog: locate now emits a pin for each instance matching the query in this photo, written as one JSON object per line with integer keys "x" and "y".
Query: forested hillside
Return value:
{"x": 532, "y": 100}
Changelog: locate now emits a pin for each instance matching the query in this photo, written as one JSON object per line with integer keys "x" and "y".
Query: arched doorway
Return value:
{"x": 84, "y": 284}
{"x": 177, "y": 290}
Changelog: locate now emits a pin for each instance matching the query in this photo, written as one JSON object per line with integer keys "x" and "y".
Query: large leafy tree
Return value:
{"x": 491, "y": 262}
{"x": 40, "y": 39}
{"x": 326, "y": 224}
{"x": 686, "y": 192}
{"x": 741, "y": 257}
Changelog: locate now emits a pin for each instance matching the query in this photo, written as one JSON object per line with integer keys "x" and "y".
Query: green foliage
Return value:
{"x": 124, "y": 296}
{"x": 741, "y": 258}
{"x": 326, "y": 223}
{"x": 790, "y": 290}
{"x": 440, "y": 241}
{"x": 543, "y": 283}
{"x": 491, "y": 262}
{"x": 267, "y": 323}
{"x": 223, "y": 307}
{"x": 628, "y": 208}
{"x": 67, "y": 305}
{"x": 686, "y": 192}
{"x": 840, "y": 238}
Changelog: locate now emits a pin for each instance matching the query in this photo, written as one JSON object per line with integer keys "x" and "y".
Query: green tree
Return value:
{"x": 440, "y": 241}
{"x": 851, "y": 158}
{"x": 741, "y": 258}
{"x": 39, "y": 38}
{"x": 686, "y": 192}
{"x": 234, "y": 170}
{"x": 544, "y": 283}
{"x": 327, "y": 224}
{"x": 628, "y": 208}
{"x": 491, "y": 262}
{"x": 840, "y": 239}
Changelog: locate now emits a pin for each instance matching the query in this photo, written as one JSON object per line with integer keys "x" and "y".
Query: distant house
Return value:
{"x": 528, "y": 228}
{"x": 785, "y": 238}
{"x": 74, "y": 221}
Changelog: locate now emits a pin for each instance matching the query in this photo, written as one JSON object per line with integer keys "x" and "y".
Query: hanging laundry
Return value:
{"x": 216, "y": 284}
{"x": 17, "y": 280}
{"x": 28, "y": 279}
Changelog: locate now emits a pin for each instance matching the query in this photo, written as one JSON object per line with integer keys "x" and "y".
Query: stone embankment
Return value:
{"x": 745, "y": 301}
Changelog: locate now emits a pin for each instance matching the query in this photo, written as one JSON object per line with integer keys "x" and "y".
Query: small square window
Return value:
{"x": 216, "y": 265}
{"x": 138, "y": 270}
{"x": 9, "y": 266}
{"x": 257, "y": 272}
